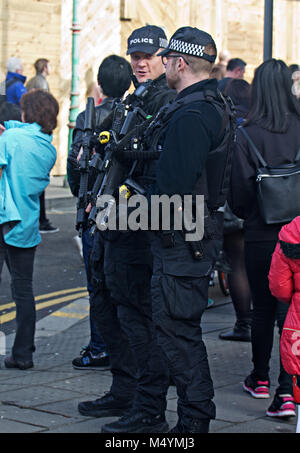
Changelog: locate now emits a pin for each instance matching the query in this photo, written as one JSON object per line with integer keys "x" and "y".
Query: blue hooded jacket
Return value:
{"x": 26, "y": 159}
{"x": 15, "y": 91}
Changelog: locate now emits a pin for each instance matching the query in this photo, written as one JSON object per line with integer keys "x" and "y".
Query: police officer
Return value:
{"x": 192, "y": 130}
{"x": 128, "y": 271}
{"x": 95, "y": 355}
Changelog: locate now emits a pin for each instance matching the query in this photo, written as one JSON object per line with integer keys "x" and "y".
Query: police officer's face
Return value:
{"x": 172, "y": 74}
{"x": 146, "y": 66}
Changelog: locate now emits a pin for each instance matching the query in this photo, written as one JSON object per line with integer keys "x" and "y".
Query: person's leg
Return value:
{"x": 284, "y": 379}
{"x": 122, "y": 363}
{"x": 21, "y": 263}
{"x": 233, "y": 246}
{"x": 43, "y": 217}
{"x": 44, "y": 223}
{"x": 130, "y": 285}
{"x": 178, "y": 305}
{"x": 94, "y": 355}
{"x": 96, "y": 343}
{"x": 283, "y": 404}
{"x": 258, "y": 259}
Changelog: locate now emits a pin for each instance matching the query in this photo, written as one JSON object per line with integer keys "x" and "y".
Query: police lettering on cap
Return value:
{"x": 191, "y": 41}
{"x": 147, "y": 39}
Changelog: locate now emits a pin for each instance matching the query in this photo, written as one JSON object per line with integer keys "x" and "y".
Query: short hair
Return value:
{"x": 216, "y": 73}
{"x": 40, "y": 64}
{"x": 272, "y": 98}
{"x": 13, "y": 64}
{"x": 294, "y": 68}
{"x": 235, "y": 63}
{"x": 239, "y": 91}
{"x": 114, "y": 76}
{"x": 198, "y": 64}
{"x": 9, "y": 111}
{"x": 42, "y": 108}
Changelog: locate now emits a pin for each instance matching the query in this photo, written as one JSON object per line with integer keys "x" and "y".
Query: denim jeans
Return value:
{"x": 20, "y": 264}
{"x": 266, "y": 310}
{"x": 96, "y": 343}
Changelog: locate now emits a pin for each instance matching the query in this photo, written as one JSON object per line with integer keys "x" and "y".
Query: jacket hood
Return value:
{"x": 289, "y": 238}
{"x": 11, "y": 75}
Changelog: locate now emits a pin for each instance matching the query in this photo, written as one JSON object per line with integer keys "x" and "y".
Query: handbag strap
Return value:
{"x": 258, "y": 155}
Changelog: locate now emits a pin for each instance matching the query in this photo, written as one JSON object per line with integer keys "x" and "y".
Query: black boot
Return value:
{"x": 107, "y": 406}
{"x": 241, "y": 332}
{"x": 137, "y": 422}
{"x": 190, "y": 425}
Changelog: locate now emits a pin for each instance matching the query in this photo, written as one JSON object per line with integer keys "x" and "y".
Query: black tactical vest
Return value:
{"x": 214, "y": 181}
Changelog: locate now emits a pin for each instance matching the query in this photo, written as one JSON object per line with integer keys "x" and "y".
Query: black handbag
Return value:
{"x": 278, "y": 189}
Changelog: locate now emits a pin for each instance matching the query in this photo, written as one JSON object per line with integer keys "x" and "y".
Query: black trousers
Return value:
{"x": 179, "y": 298}
{"x": 20, "y": 264}
{"x": 104, "y": 310}
{"x": 129, "y": 285}
{"x": 266, "y": 310}
{"x": 43, "y": 217}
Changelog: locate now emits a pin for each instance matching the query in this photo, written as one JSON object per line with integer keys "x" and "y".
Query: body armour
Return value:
{"x": 214, "y": 181}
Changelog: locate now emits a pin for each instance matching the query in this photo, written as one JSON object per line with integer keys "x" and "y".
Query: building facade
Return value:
{"x": 32, "y": 29}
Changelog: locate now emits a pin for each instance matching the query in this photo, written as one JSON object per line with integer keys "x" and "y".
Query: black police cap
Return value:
{"x": 190, "y": 41}
{"x": 147, "y": 39}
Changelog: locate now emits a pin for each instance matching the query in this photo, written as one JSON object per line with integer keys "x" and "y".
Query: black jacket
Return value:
{"x": 133, "y": 247}
{"x": 102, "y": 111}
{"x": 276, "y": 149}
{"x": 191, "y": 133}
{"x": 158, "y": 96}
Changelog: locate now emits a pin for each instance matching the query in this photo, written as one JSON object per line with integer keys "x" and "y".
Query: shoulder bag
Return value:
{"x": 278, "y": 188}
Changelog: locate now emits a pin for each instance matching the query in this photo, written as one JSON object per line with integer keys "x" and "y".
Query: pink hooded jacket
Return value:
{"x": 284, "y": 282}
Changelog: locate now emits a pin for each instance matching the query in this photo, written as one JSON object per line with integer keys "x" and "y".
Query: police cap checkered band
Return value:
{"x": 147, "y": 39}
{"x": 190, "y": 41}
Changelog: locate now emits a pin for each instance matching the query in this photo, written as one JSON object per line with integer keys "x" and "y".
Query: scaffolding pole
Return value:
{"x": 268, "y": 30}
{"x": 74, "y": 107}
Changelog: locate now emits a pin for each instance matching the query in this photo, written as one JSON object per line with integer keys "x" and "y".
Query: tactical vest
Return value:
{"x": 103, "y": 110}
{"x": 215, "y": 179}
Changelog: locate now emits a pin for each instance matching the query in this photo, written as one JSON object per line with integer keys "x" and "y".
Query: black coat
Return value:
{"x": 133, "y": 247}
{"x": 73, "y": 173}
{"x": 276, "y": 149}
{"x": 158, "y": 96}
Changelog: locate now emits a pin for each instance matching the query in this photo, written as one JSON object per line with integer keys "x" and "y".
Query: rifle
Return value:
{"x": 123, "y": 135}
{"x": 87, "y": 145}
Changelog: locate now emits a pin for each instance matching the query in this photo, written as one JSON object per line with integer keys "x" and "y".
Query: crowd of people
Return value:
{"x": 148, "y": 289}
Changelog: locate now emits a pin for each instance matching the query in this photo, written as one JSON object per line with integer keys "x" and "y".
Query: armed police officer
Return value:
{"x": 114, "y": 78}
{"x": 128, "y": 271}
{"x": 195, "y": 133}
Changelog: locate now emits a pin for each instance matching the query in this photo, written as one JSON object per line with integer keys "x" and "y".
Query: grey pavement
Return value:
{"x": 45, "y": 399}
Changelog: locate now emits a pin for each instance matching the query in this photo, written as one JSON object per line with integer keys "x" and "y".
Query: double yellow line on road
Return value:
{"x": 73, "y": 293}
